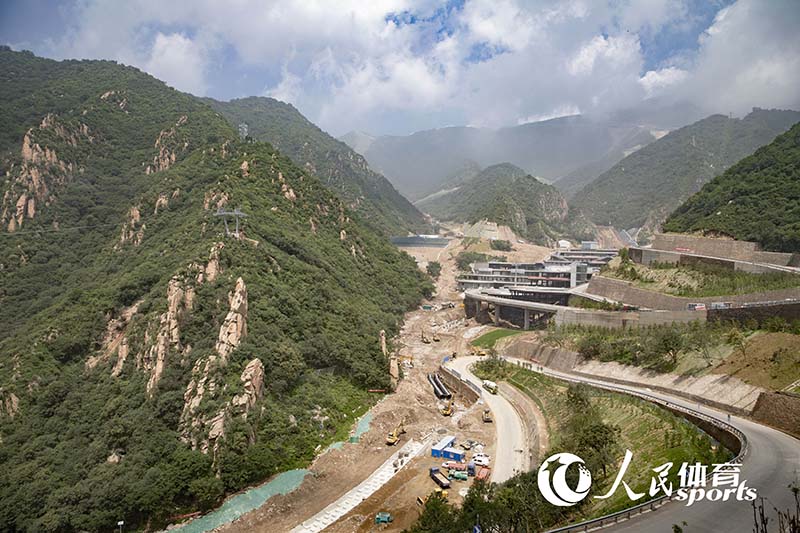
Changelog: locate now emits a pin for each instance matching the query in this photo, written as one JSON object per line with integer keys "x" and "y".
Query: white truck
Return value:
{"x": 491, "y": 386}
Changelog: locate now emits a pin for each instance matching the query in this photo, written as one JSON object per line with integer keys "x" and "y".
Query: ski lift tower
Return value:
{"x": 236, "y": 214}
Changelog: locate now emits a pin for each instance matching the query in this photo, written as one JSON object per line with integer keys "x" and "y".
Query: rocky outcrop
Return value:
{"x": 40, "y": 173}
{"x": 235, "y": 325}
{"x": 215, "y": 200}
{"x": 114, "y": 339}
{"x": 154, "y": 358}
{"x": 253, "y": 381}
{"x": 169, "y": 146}
{"x": 132, "y": 229}
{"x": 199, "y": 430}
{"x": 9, "y": 404}
{"x": 212, "y": 268}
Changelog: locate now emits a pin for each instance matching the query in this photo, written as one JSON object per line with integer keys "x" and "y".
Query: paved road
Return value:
{"x": 771, "y": 464}
{"x": 510, "y": 455}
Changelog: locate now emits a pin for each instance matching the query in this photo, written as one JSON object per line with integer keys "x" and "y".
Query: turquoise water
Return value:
{"x": 242, "y": 503}
{"x": 245, "y": 502}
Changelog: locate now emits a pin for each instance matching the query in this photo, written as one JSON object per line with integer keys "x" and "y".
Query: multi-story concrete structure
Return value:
{"x": 496, "y": 275}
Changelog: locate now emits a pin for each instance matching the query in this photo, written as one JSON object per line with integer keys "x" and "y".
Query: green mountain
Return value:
{"x": 150, "y": 363}
{"x": 757, "y": 199}
{"x": 332, "y": 161}
{"x": 643, "y": 188}
{"x": 507, "y": 195}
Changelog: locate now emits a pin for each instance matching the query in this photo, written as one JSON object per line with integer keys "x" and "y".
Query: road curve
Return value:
{"x": 510, "y": 455}
{"x": 771, "y": 464}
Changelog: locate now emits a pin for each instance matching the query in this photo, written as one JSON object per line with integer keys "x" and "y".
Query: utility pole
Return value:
{"x": 236, "y": 214}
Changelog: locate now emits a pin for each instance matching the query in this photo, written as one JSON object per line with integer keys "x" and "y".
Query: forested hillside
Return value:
{"x": 758, "y": 199}
{"x": 332, "y": 161}
{"x": 150, "y": 363}
{"x": 507, "y": 195}
{"x": 643, "y": 188}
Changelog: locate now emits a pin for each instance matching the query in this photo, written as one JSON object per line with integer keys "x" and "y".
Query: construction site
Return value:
{"x": 438, "y": 431}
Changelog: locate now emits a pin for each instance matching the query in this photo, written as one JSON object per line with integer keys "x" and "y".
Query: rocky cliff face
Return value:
{"x": 198, "y": 429}
{"x": 40, "y": 173}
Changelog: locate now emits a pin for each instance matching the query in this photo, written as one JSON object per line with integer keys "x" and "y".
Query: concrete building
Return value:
{"x": 496, "y": 275}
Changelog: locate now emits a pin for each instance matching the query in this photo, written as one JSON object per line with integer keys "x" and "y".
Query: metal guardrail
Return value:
{"x": 650, "y": 505}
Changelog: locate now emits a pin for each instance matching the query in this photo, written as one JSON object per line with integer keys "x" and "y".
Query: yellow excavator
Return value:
{"x": 393, "y": 437}
{"x": 425, "y": 338}
{"x": 436, "y": 337}
{"x": 438, "y": 493}
{"x": 448, "y": 409}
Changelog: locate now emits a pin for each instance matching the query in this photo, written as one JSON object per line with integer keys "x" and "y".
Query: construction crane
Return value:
{"x": 393, "y": 437}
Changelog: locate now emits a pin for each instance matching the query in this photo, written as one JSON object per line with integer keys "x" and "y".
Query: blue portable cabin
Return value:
{"x": 438, "y": 449}
{"x": 453, "y": 453}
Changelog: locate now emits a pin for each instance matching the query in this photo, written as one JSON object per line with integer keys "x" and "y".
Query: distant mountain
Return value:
{"x": 757, "y": 199}
{"x": 150, "y": 362}
{"x": 509, "y": 196}
{"x": 576, "y": 148}
{"x": 645, "y": 186}
{"x": 339, "y": 167}
{"x": 358, "y": 141}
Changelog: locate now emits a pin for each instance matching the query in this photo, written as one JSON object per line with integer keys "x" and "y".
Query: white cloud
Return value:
{"x": 348, "y": 65}
{"x": 179, "y": 61}
{"x": 655, "y": 81}
{"x": 566, "y": 110}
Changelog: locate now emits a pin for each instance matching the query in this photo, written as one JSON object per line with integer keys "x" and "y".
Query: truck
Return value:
{"x": 454, "y": 465}
{"x": 471, "y": 468}
{"x": 460, "y": 476}
{"x": 487, "y": 415}
{"x": 483, "y": 473}
{"x": 439, "y": 478}
{"x": 491, "y": 386}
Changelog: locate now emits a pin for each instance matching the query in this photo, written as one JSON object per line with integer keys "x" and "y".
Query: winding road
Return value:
{"x": 511, "y": 455}
{"x": 771, "y": 463}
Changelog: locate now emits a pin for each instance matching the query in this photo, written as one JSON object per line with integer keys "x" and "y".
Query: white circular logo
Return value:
{"x": 556, "y": 490}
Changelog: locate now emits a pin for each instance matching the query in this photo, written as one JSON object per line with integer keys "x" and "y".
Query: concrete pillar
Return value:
{"x": 496, "y": 315}
{"x": 526, "y": 322}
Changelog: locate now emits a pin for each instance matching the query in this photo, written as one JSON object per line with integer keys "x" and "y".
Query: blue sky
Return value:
{"x": 397, "y": 66}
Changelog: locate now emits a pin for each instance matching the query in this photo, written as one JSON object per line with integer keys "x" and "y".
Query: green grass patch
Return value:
{"x": 488, "y": 340}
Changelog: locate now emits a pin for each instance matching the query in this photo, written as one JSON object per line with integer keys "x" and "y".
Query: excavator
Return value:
{"x": 448, "y": 409}
{"x": 438, "y": 493}
{"x": 425, "y": 338}
{"x": 393, "y": 437}
{"x": 436, "y": 337}
{"x": 487, "y": 415}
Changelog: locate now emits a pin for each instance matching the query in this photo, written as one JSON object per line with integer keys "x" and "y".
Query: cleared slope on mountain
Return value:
{"x": 151, "y": 363}
{"x": 643, "y": 188}
{"x": 333, "y": 162}
{"x": 507, "y": 195}
{"x": 757, "y": 199}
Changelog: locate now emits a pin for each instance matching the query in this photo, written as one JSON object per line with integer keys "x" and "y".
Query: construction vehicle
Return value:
{"x": 471, "y": 468}
{"x": 447, "y": 410}
{"x": 436, "y": 337}
{"x": 438, "y": 493}
{"x": 491, "y": 386}
{"x": 483, "y": 473}
{"x": 487, "y": 415}
{"x": 425, "y": 338}
{"x": 458, "y": 475}
{"x": 439, "y": 478}
{"x": 393, "y": 437}
{"x": 454, "y": 465}
{"x": 383, "y": 518}
{"x": 453, "y": 355}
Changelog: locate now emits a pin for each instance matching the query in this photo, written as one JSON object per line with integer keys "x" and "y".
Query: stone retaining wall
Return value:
{"x": 625, "y": 292}
{"x": 780, "y": 410}
{"x": 459, "y": 388}
{"x": 624, "y": 319}
{"x": 738, "y": 250}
